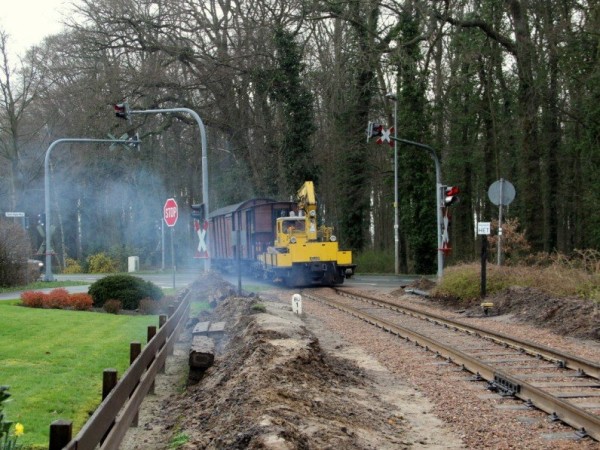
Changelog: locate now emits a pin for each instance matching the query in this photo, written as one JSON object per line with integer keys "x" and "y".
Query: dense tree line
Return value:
{"x": 501, "y": 89}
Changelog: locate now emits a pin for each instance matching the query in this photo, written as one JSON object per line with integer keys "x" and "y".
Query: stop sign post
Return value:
{"x": 170, "y": 214}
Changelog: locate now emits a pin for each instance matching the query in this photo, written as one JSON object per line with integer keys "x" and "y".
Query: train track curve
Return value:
{"x": 564, "y": 386}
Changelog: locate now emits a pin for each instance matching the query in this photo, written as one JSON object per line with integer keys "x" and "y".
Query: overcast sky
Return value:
{"x": 29, "y": 21}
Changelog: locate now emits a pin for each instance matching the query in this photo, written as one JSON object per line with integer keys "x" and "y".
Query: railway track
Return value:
{"x": 564, "y": 386}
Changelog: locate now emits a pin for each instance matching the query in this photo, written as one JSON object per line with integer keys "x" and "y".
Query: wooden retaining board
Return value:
{"x": 202, "y": 353}
{"x": 211, "y": 329}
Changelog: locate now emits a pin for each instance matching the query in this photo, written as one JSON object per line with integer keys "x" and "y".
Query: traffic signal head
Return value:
{"x": 122, "y": 110}
{"x": 198, "y": 211}
{"x": 450, "y": 195}
{"x": 374, "y": 130}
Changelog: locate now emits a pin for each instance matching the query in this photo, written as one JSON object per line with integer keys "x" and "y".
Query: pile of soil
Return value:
{"x": 565, "y": 316}
{"x": 575, "y": 317}
{"x": 280, "y": 381}
{"x": 275, "y": 387}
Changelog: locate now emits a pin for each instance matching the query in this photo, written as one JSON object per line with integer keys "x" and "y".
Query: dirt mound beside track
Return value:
{"x": 281, "y": 381}
{"x": 275, "y": 387}
{"x": 573, "y": 317}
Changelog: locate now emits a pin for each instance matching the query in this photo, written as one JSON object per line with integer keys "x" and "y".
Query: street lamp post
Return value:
{"x": 394, "y": 98}
{"x": 48, "y": 274}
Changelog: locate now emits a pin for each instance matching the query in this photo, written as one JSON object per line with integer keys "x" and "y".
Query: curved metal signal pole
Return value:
{"x": 204, "y": 153}
{"x": 48, "y": 274}
{"x": 438, "y": 199}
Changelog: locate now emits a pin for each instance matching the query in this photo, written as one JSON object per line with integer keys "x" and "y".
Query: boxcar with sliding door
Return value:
{"x": 244, "y": 230}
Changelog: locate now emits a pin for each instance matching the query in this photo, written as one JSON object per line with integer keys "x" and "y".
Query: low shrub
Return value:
{"x": 72, "y": 266}
{"x": 515, "y": 248}
{"x": 15, "y": 247}
{"x": 102, "y": 263}
{"x": 150, "y": 306}
{"x": 128, "y": 289}
{"x": 112, "y": 306}
{"x": 81, "y": 301}
{"x": 33, "y": 299}
{"x": 462, "y": 282}
{"x": 371, "y": 261}
{"x": 57, "y": 299}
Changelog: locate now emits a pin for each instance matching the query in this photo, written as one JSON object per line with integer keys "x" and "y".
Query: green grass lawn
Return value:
{"x": 53, "y": 362}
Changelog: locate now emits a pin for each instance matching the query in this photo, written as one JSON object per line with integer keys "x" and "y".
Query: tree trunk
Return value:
{"x": 529, "y": 183}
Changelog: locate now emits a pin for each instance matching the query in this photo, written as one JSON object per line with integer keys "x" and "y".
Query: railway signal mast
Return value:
{"x": 201, "y": 228}
{"x": 450, "y": 197}
{"x": 375, "y": 129}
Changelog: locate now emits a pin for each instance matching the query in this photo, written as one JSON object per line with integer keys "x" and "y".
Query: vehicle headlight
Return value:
{"x": 333, "y": 238}
{"x": 293, "y": 240}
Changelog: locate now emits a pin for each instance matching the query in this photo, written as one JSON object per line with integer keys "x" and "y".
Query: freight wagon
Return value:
{"x": 279, "y": 241}
{"x": 255, "y": 221}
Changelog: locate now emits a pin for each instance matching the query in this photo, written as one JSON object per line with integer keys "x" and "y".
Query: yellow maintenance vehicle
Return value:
{"x": 304, "y": 254}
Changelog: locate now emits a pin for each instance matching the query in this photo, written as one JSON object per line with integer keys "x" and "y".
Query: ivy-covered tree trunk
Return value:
{"x": 530, "y": 180}
{"x": 353, "y": 192}
{"x": 354, "y": 184}
{"x": 297, "y": 104}
{"x": 417, "y": 185}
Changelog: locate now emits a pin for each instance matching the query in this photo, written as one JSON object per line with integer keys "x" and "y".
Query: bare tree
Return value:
{"x": 19, "y": 88}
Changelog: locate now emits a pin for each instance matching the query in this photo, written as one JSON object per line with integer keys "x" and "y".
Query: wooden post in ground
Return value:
{"x": 135, "y": 349}
{"x": 162, "y": 319}
{"x": 151, "y": 334}
{"x": 109, "y": 381}
{"x": 60, "y": 434}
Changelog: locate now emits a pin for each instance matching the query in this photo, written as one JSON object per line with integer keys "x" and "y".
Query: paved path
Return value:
{"x": 17, "y": 294}
{"x": 165, "y": 281}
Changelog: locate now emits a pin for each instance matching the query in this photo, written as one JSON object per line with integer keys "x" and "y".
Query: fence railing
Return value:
{"x": 107, "y": 426}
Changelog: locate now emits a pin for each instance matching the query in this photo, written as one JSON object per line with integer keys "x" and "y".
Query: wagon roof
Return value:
{"x": 232, "y": 208}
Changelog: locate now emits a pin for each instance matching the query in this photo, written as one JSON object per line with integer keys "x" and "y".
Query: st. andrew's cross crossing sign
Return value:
{"x": 170, "y": 212}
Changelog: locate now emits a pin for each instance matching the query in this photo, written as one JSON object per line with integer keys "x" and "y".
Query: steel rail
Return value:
{"x": 587, "y": 424}
{"x": 562, "y": 359}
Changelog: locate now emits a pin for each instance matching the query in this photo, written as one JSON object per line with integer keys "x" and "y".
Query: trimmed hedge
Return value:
{"x": 57, "y": 299}
{"x": 129, "y": 290}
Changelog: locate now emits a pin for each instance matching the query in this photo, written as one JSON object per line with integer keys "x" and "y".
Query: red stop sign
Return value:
{"x": 170, "y": 212}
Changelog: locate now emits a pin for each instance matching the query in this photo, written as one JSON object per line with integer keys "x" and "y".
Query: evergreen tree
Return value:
{"x": 417, "y": 202}
{"x": 297, "y": 104}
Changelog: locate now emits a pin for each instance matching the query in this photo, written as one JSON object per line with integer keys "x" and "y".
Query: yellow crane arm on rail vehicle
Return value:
{"x": 307, "y": 205}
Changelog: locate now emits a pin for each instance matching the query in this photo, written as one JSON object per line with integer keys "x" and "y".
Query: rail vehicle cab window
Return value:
{"x": 281, "y": 212}
{"x": 294, "y": 224}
